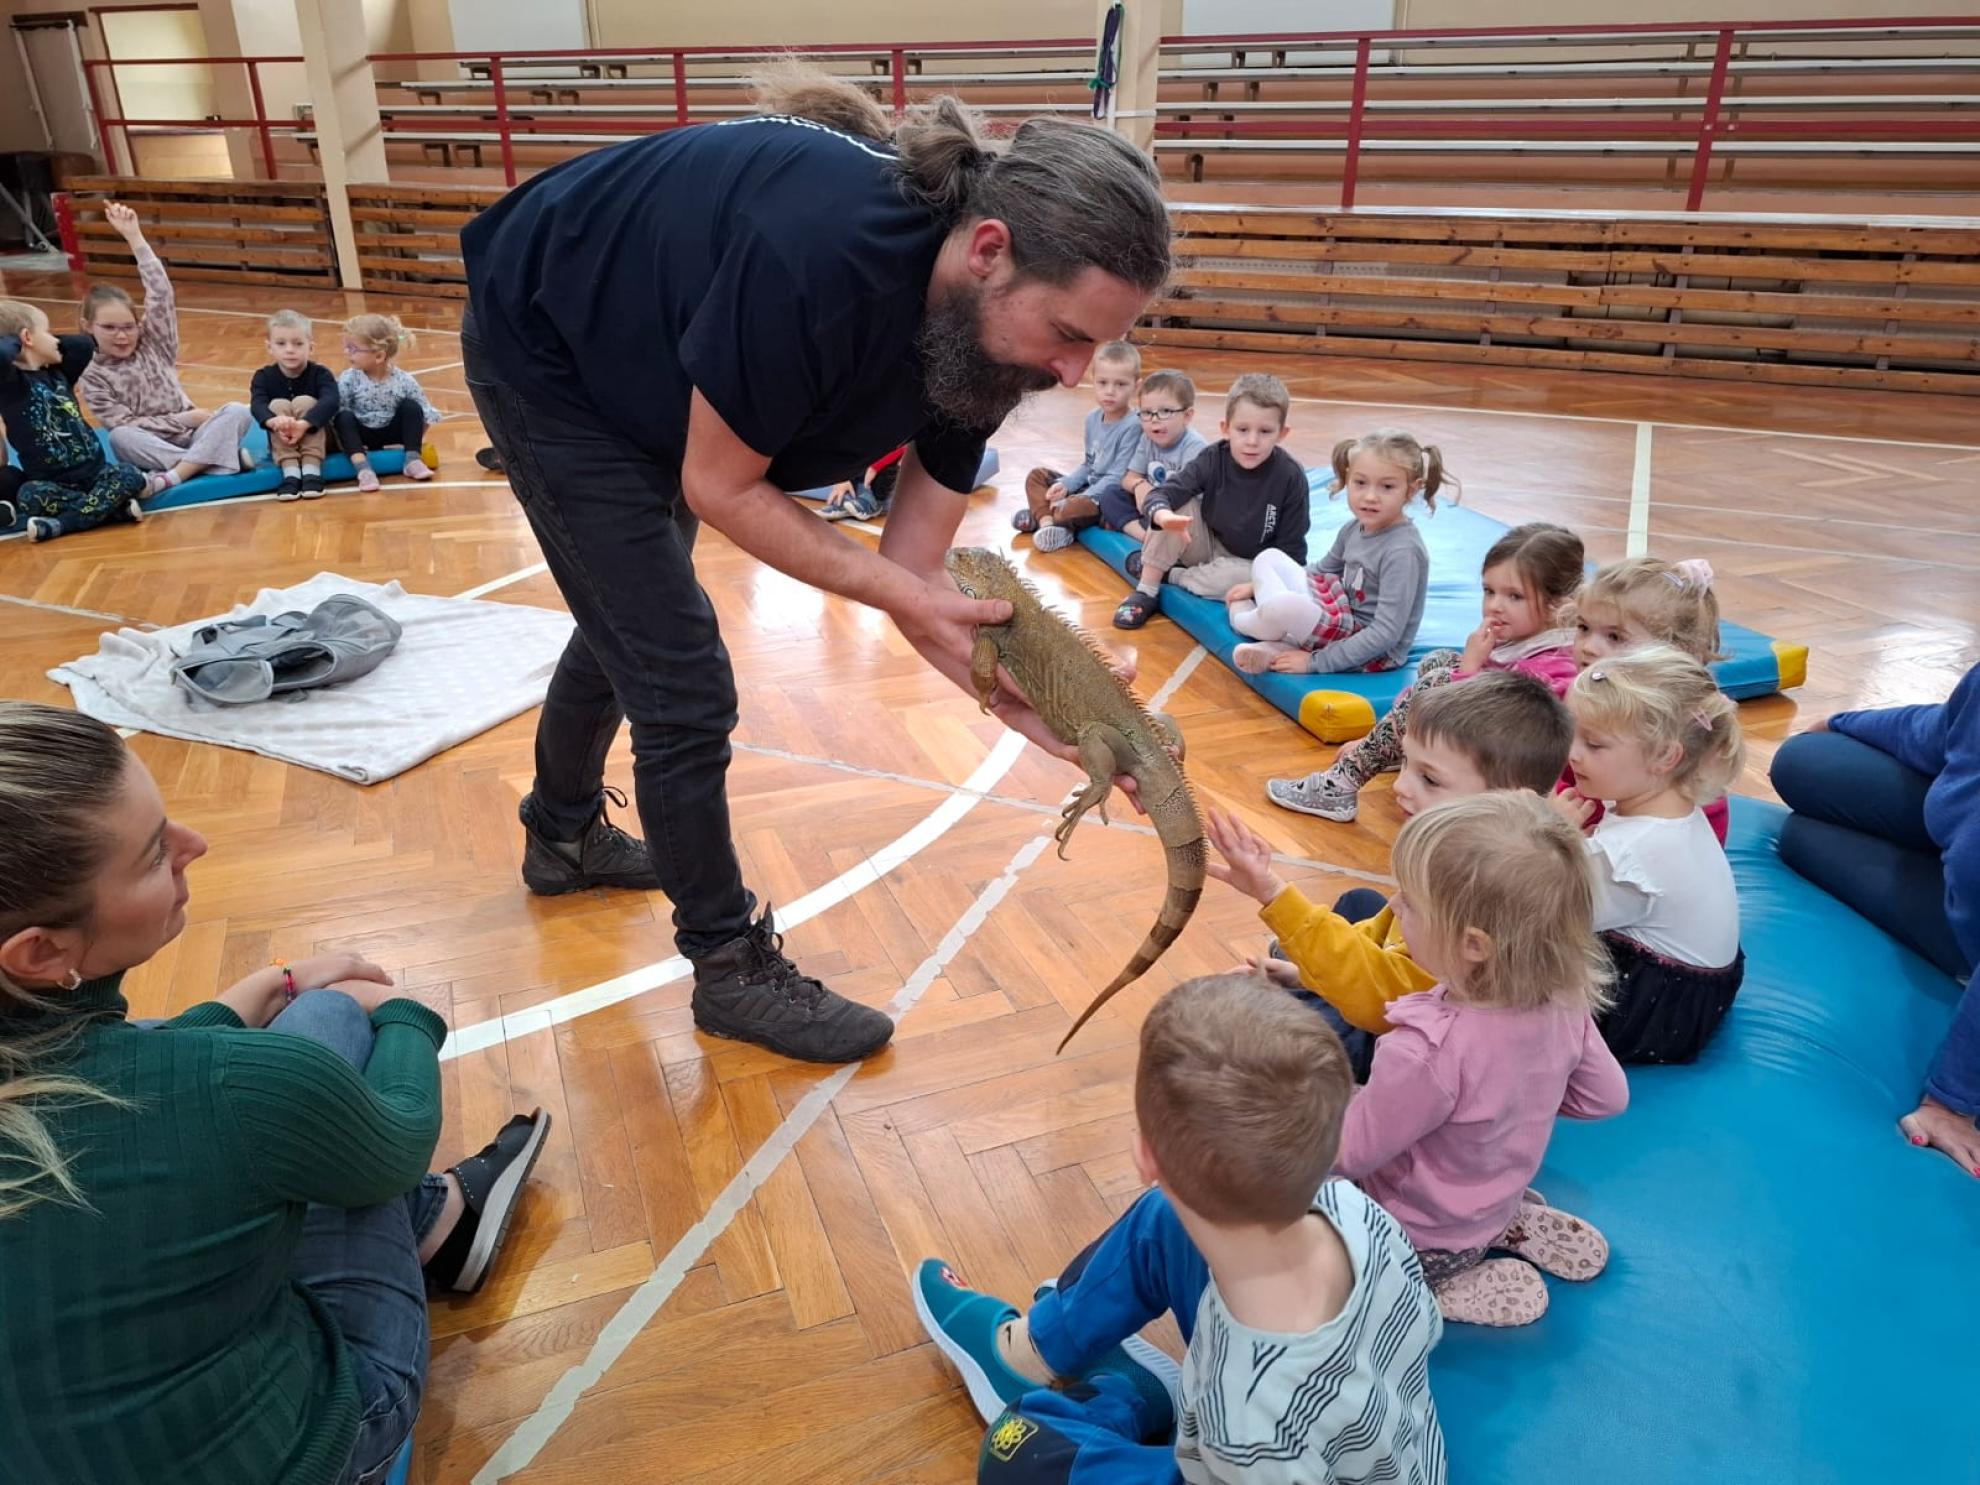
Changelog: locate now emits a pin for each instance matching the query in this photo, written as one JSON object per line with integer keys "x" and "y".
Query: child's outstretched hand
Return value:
{"x": 1173, "y": 520}
{"x": 1281, "y": 972}
{"x": 1247, "y": 863}
{"x": 1293, "y": 662}
{"x": 123, "y": 219}
{"x": 1574, "y": 807}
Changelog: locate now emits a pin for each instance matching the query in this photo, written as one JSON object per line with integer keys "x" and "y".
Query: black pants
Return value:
{"x": 407, "y": 429}
{"x": 619, "y": 539}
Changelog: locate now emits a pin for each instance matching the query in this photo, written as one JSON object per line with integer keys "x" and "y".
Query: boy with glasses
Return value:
{"x": 1169, "y": 441}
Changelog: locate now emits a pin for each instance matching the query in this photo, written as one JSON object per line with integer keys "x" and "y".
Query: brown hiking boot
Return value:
{"x": 749, "y": 991}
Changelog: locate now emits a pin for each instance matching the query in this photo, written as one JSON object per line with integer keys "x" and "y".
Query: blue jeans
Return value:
{"x": 1141, "y": 1268}
{"x": 1858, "y": 832}
{"x": 362, "y": 1265}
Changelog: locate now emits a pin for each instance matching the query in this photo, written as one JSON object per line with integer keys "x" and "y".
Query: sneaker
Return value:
{"x": 1024, "y": 521}
{"x": 604, "y": 856}
{"x": 43, "y": 528}
{"x": 246, "y": 460}
{"x": 1317, "y": 794}
{"x": 491, "y": 1185}
{"x": 133, "y": 512}
{"x": 489, "y": 460}
{"x": 9, "y": 513}
{"x": 312, "y": 487}
{"x": 860, "y": 503}
{"x": 749, "y": 991}
{"x": 1132, "y": 562}
{"x": 963, "y": 1325}
{"x": 290, "y": 488}
{"x": 1136, "y": 610}
{"x": 367, "y": 478}
{"x": 1053, "y": 538}
{"x": 416, "y": 468}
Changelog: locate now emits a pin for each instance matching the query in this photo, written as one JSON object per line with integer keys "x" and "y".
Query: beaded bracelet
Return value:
{"x": 288, "y": 980}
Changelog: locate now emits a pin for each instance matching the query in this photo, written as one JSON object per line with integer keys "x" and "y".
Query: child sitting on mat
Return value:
{"x": 1359, "y": 606}
{"x": 1494, "y": 897}
{"x": 294, "y": 399}
{"x": 1530, "y": 578}
{"x": 1169, "y": 444}
{"x": 1654, "y": 735}
{"x": 133, "y": 385}
{"x": 380, "y": 406}
{"x": 1503, "y": 730}
{"x": 1308, "y": 1324}
{"x": 1238, "y": 498}
{"x": 66, "y": 484}
{"x": 1647, "y": 601}
{"x": 1058, "y": 505}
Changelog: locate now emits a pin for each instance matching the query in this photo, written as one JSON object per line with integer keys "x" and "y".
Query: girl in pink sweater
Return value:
{"x": 1530, "y": 577}
{"x": 1494, "y": 899}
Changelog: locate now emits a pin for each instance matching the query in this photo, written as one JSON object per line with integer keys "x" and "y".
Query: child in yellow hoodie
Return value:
{"x": 1500, "y": 730}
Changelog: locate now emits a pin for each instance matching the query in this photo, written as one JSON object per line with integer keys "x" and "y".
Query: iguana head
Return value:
{"x": 980, "y": 572}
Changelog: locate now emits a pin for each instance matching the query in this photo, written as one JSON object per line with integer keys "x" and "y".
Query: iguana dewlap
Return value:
{"x": 1072, "y": 685}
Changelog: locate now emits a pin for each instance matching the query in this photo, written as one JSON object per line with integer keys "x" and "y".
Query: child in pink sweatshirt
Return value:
{"x": 1530, "y": 578}
{"x": 1494, "y": 899}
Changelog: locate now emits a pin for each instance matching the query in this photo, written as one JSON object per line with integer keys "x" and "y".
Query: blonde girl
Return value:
{"x": 1656, "y": 737}
{"x": 1648, "y": 601}
{"x": 1529, "y": 582}
{"x": 379, "y": 405}
{"x": 1494, "y": 898}
{"x": 1359, "y": 606}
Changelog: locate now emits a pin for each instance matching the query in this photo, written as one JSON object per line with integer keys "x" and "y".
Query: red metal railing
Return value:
{"x": 1715, "y": 117}
{"x": 261, "y": 123}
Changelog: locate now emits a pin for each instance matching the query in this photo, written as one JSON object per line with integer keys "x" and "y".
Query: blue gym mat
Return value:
{"x": 263, "y": 478}
{"x": 1790, "y": 1294}
{"x": 1340, "y": 708}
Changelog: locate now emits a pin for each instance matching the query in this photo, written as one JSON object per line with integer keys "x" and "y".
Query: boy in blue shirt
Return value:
{"x": 1057, "y": 505}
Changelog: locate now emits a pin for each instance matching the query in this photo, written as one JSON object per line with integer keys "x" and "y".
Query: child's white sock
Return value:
{"x": 292, "y": 468}
{"x": 311, "y": 466}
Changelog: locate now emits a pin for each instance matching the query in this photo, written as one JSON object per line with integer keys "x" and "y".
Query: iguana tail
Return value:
{"x": 1186, "y": 861}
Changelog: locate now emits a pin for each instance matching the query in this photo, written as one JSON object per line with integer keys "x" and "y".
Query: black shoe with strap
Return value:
{"x": 748, "y": 991}
{"x": 604, "y": 856}
{"x": 491, "y": 1187}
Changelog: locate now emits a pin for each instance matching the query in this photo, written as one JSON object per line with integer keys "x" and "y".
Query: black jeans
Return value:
{"x": 619, "y": 540}
{"x": 407, "y": 429}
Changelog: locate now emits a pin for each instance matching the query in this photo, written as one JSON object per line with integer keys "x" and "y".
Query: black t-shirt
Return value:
{"x": 773, "y": 263}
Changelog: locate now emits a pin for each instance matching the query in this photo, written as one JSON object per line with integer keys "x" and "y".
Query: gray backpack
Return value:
{"x": 238, "y": 661}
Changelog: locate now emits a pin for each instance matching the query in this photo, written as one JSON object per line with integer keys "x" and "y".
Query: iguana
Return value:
{"x": 1071, "y": 684}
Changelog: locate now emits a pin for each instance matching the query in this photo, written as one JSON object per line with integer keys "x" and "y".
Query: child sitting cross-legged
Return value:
{"x": 66, "y": 485}
{"x": 1502, "y": 730}
{"x": 1058, "y": 505}
{"x": 1359, "y": 606}
{"x": 1493, "y": 895}
{"x": 1238, "y": 498}
{"x": 1304, "y": 1308}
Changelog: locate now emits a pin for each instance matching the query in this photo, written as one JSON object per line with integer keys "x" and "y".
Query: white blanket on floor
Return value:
{"x": 461, "y": 667}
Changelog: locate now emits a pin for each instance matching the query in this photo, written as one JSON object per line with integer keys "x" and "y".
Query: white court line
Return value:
{"x": 483, "y": 1034}
{"x": 479, "y": 589}
{"x": 1513, "y": 492}
{"x": 429, "y": 370}
{"x": 78, "y": 613}
{"x": 644, "y": 1303}
{"x": 1638, "y": 540}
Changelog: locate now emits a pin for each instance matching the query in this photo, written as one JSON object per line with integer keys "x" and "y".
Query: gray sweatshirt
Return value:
{"x": 1109, "y": 446}
{"x": 1387, "y": 577}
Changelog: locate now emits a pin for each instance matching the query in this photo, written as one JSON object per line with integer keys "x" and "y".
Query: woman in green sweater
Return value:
{"x": 212, "y": 1229}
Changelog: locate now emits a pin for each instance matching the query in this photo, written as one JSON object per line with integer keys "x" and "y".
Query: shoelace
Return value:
{"x": 771, "y": 967}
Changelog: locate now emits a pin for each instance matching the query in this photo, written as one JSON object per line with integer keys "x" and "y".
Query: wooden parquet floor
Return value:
{"x": 655, "y": 1319}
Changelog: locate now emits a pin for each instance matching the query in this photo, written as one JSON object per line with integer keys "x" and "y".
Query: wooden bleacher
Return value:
{"x": 1891, "y": 303}
{"x": 229, "y": 232}
{"x": 409, "y": 237}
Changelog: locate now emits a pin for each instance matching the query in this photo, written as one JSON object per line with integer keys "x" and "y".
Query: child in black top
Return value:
{"x": 66, "y": 483}
{"x": 295, "y": 399}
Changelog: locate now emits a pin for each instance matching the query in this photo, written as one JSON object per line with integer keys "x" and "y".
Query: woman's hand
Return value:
{"x": 1933, "y": 1124}
{"x": 941, "y": 622}
{"x": 1574, "y": 807}
{"x": 1247, "y": 863}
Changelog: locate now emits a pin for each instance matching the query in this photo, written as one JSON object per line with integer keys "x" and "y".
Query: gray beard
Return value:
{"x": 959, "y": 378}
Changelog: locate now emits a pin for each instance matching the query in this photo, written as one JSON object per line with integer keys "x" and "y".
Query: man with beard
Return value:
{"x": 680, "y": 329}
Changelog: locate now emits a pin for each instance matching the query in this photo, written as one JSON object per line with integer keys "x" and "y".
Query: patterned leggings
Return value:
{"x": 76, "y": 508}
{"x": 1381, "y": 750}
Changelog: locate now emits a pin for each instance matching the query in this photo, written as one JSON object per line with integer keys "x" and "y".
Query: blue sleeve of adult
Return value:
{"x": 1914, "y": 735}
